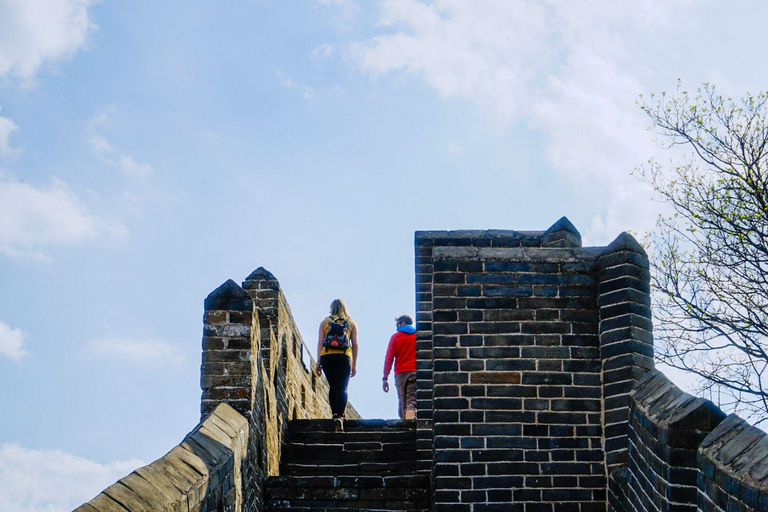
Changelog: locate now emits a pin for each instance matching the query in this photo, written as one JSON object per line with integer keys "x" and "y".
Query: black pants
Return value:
{"x": 337, "y": 368}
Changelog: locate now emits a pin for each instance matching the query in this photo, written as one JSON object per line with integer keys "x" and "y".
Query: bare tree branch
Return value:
{"x": 710, "y": 257}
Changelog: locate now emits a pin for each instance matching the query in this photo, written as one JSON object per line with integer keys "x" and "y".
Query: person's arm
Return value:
{"x": 320, "y": 337}
{"x": 353, "y": 337}
{"x": 388, "y": 359}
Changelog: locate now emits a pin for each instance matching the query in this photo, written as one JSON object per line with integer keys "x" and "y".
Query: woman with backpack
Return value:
{"x": 337, "y": 357}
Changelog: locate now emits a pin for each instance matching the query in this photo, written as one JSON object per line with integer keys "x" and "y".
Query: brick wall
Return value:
{"x": 231, "y": 373}
{"x": 512, "y": 327}
{"x": 626, "y": 342}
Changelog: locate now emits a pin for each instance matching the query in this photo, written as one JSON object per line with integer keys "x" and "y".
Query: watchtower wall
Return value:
{"x": 528, "y": 345}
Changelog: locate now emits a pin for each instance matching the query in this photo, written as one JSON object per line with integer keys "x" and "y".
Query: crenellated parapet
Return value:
{"x": 685, "y": 455}
{"x": 666, "y": 427}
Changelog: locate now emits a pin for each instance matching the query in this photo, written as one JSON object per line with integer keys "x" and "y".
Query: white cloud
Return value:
{"x": 490, "y": 51}
{"x": 595, "y": 137}
{"x": 11, "y": 342}
{"x": 572, "y": 70}
{"x": 130, "y": 167}
{"x": 34, "y": 32}
{"x": 35, "y": 218}
{"x": 110, "y": 154}
{"x": 289, "y": 83}
{"x": 53, "y": 480}
{"x": 142, "y": 351}
{"x": 323, "y": 51}
{"x": 7, "y": 127}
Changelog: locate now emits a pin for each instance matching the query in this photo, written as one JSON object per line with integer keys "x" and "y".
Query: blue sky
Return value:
{"x": 149, "y": 151}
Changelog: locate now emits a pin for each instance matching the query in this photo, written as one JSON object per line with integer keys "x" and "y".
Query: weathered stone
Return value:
{"x": 128, "y": 498}
{"x": 562, "y": 234}
{"x": 624, "y": 242}
{"x": 101, "y": 503}
{"x": 226, "y": 295}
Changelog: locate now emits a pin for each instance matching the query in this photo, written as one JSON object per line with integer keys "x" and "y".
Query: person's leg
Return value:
{"x": 400, "y": 396}
{"x": 330, "y": 372}
{"x": 344, "y": 369}
{"x": 337, "y": 368}
{"x": 409, "y": 396}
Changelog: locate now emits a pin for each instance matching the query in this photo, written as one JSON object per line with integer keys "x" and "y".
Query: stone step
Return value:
{"x": 368, "y": 467}
{"x": 357, "y": 436}
{"x": 309, "y": 468}
{"x": 347, "y": 493}
{"x": 353, "y": 425}
{"x": 332, "y": 509}
{"x": 361, "y": 482}
{"x": 352, "y": 445}
{"x": 327, "y": 454}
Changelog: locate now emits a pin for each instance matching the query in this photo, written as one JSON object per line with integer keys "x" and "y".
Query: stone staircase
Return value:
{"x": 369, "y": 467}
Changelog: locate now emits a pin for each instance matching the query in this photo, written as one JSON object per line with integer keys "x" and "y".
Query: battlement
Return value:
{"x": 536, "y": 393}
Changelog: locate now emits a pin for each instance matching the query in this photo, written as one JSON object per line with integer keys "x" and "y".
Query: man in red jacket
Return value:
{"x": 402, "y": 349}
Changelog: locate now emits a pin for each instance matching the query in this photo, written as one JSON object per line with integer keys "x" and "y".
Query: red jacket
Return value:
{"x": 401, "y": 348}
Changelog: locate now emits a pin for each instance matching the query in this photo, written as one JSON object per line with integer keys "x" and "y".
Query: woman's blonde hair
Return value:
{"x": 339, "y": 309}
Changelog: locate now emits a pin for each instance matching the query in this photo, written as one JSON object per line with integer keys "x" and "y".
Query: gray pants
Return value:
{"x": 405, "y": 382}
